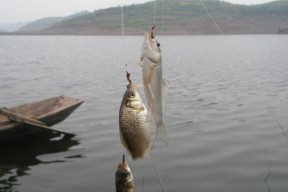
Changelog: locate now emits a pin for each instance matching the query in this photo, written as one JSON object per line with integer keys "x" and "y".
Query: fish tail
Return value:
{"x": 161, "y": 133}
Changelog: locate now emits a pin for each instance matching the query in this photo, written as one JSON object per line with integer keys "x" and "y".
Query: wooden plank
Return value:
{"x": 33, "y": 122}
{"x": 21, "y": 117}
{"x": 48, "y": 128}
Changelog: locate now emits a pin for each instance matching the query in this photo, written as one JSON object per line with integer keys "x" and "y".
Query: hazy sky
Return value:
{"x": 30, "y": 10}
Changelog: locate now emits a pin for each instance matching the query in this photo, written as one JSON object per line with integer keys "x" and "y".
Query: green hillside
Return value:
{"x": 47, "y": 22}
{"x": 181, "y": 17}
{"x": 41, "y": 24}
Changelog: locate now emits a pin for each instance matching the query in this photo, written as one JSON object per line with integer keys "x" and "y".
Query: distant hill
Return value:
{"x": 45, "y": 23}
{"x": 180, "y": 17}
{"x": 41, "y": 24}
{"x": 10, "y": 27}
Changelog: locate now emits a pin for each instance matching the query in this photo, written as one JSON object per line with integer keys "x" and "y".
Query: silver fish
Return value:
{"x": 123, "y": 177}
{"x": 154, "y": 86}
{"x": 135, "y": 129}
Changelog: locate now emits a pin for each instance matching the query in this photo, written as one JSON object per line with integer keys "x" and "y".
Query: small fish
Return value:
{"x": 135, "y": 129}
{"x": 154, "y": 86}
{"x": 123, "y": 177}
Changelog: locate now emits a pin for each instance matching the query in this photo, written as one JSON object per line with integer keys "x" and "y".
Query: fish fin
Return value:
{"x": 149, "y": 116}
{"x": 150, "y": 101}
{"x": 147, "y": 87}
{"x": 140, "y": 64}
{"x": 124, "y": 143}
{"x": 153, "y": 65}
{"x": 149, "y": 98}
{"x": 154, "y": 57}
{"x": 150, "y": 73}
{"x": 147, "y": 151}
{"x": 164, "y": 95}
{"x": 161, "y": 134}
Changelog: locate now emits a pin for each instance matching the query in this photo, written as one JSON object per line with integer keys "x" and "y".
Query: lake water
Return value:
{"x": 226, "y": 113}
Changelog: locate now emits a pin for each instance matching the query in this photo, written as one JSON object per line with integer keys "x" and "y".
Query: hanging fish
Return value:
{"x": 123, "y": 177}
{"x": 154, "y": 86}
{"x": 135, "y": 129}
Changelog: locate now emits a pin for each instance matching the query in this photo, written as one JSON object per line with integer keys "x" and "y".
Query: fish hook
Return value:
{"x": 123, "y": 158}
{"x": 128, "y": 77}
{"x": 152, "y": 31}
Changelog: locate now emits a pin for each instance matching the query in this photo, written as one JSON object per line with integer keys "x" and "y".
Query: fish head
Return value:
{"x": 150, "y": 47}
{"x": 132, "y": 98}
{"x": 123, "y": 171}
{"x": 124, "y": 177}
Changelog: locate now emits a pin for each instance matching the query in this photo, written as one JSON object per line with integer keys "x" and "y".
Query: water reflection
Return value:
{"x": 17, "y": 158}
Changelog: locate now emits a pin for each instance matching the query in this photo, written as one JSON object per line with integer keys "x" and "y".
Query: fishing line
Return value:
{"x": 269, "y": 172}
{"x": 154, "y": 141}
{"x": 162, "y": 13}
{"x": 156, "y": 173}
{"x": 155, "y": 11}
{"x": 122, "y": 19}
{"x": 143, "y": 186}
{"x": 123, "y": 33}
{"x": 279, "y": 125}
{"x": 220, "y": 31}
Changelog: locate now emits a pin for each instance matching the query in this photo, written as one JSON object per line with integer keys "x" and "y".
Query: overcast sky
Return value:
{"x": 30, "y": 10}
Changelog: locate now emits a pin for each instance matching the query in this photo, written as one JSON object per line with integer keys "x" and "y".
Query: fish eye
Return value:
{"x": 158, "y": 44}
{"x": 131, "y": 94}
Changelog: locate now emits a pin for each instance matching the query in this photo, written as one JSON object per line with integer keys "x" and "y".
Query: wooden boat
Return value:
{"x": 31, "y": 118}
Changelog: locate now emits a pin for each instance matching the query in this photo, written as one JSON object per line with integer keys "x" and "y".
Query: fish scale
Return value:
{"x": 135, "y": 129}
{"x": 154, "y": 86}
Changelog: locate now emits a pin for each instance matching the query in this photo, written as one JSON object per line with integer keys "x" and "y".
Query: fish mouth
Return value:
{"x": 150, "y": 47}
{"x": 147, "y": 41}
{"x": 152, "y": 39}
{"x": 123, "y": 165}
{"x": 149, "y": 37}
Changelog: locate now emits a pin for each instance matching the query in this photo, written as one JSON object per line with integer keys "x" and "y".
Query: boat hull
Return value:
{"x": 50, "y": 111}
